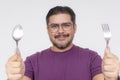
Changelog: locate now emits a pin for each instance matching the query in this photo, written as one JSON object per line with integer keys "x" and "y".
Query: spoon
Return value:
{"x": 17, "y": 35}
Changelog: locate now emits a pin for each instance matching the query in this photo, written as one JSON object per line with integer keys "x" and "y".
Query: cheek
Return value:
{"x": 71, "y": 34}
{"x": 51, "y": 35}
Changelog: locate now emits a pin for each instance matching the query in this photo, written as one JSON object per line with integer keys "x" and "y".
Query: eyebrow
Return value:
{"x": 61, "y": 23}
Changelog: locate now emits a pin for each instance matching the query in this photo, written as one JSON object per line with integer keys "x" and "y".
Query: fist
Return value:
{"x": 15, "y": 67}
{"x": 110, "y": 66}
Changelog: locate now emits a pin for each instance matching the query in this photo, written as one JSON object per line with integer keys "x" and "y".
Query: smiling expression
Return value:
{"x": 61, "y": 38}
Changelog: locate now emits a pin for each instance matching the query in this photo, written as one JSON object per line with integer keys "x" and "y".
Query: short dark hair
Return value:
{"x": 61, "y": 9}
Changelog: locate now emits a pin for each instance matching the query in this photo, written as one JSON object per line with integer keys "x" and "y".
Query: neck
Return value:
{"x": 54, "y": 48}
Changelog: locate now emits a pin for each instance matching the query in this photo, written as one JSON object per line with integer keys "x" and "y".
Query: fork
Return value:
{"x": 107, "y": 34}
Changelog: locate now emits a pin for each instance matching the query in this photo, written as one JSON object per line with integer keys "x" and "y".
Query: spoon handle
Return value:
{"x": 17, "y": 47}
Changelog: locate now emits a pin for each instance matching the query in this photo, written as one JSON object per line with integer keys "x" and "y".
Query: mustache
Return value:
{"x": 61, "y": 35}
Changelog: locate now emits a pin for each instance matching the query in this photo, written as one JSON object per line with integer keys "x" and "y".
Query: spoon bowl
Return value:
{"x": 17, "y": 35}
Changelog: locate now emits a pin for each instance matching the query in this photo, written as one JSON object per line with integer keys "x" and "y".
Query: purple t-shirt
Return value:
{"x": 74, "y": 64}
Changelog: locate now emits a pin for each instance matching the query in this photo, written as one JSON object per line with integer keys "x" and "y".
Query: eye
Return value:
{"x": 66, "y": 24}
{"x": 53, "y": 26}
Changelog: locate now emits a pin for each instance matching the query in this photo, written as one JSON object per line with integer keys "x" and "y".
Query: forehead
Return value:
{"x": 60, "y": 18}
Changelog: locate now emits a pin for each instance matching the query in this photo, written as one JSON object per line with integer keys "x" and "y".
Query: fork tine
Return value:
{"x": 105, "y": 28}
{"x": 107, "y": 33}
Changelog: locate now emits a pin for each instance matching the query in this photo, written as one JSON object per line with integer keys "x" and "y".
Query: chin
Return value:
{"x": 62, "y": 45}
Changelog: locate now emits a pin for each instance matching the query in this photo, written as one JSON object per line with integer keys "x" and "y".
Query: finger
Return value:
{"x": 112, "y": 60}
{"x": 15, "y": 76}
{"x": 14, "y": 70}
{"x": 13, "y": 58}
{"x": 15, "y": 64}
{"x": 110, "y": 75}
{"x": 19, "y": 58}
{"x": 108, "y": 54}
{"x": 110, "y": 68}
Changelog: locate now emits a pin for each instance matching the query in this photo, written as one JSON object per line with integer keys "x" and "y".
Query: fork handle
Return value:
{"x": 107, "y": 44}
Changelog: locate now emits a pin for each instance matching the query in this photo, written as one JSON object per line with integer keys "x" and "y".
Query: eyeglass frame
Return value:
{"x": 66, "y": 26}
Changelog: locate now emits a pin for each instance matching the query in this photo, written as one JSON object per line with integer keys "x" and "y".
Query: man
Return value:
{"x": 64, "y": 60}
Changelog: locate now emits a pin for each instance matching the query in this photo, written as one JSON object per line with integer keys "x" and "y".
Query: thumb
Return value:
{"x": 19, "y": 58}
{"x": 15, "y": 57}
{"x": 107, "y": 52}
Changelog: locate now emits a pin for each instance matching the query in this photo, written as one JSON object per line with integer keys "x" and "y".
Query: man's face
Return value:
{"x": 61, "y": 30}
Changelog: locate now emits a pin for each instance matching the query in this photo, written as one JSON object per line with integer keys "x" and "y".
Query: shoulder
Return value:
{"x": 34, "y": 57}
{"x": 87, "y": 52}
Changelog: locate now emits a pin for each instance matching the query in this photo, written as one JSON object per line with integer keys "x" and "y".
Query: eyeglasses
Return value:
{"x": 65, "y": 26}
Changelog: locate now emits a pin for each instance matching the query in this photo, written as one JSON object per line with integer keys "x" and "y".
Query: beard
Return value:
{"x": 62, "y": 46}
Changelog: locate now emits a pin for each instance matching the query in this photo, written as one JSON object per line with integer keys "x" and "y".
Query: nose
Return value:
{"x": 60, "y": 29}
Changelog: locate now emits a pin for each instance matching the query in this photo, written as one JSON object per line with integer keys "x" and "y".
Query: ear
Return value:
{"x": 47, "y": 28}
{"x": 75, "y": 28}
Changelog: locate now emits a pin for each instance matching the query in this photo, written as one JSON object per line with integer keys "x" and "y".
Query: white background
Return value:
{"x": 90, "y": 14}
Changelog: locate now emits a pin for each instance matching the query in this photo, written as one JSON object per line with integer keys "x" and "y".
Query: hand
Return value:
{"x": 15, "y": 67}
{"x": 110, "y": 66}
